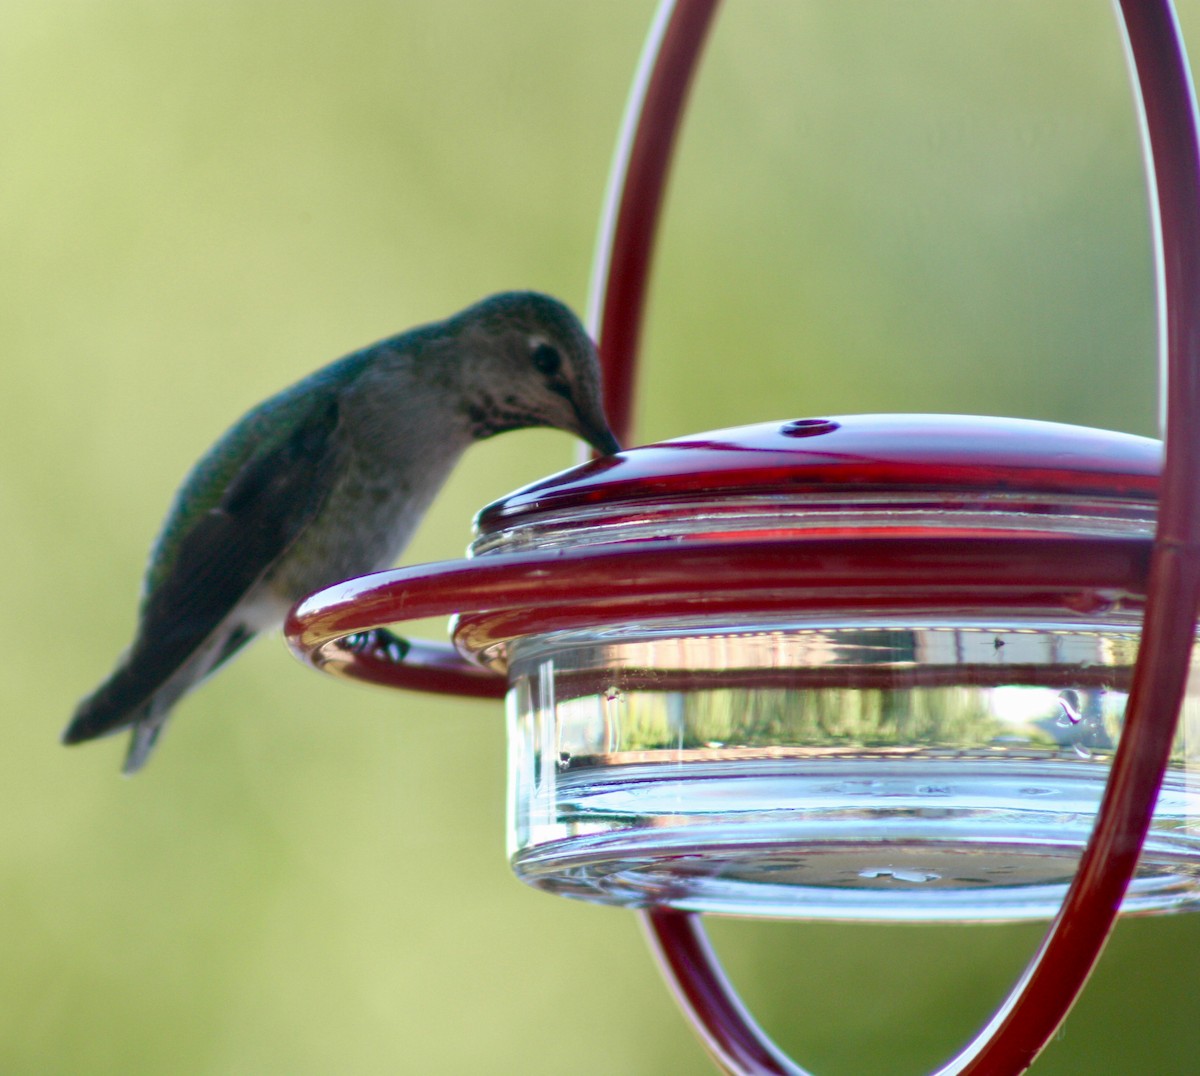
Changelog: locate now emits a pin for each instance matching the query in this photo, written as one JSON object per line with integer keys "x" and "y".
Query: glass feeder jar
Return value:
{"x": 907, "y": 725}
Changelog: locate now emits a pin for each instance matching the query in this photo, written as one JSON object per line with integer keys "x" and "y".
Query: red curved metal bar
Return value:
{"x": 1041, "y": 999}
{"x": 635, "y": 194}
{"x": 527, "y": 593}
{"x": 694, "y": 975}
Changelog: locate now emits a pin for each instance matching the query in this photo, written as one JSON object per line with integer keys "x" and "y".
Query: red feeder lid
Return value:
{"x": 938, "y": 461}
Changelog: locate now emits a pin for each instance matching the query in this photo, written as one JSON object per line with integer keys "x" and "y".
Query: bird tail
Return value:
{"x": 122, "y": 702}
{"x": 140, "y": 696}
{"x": 114, "y": 705}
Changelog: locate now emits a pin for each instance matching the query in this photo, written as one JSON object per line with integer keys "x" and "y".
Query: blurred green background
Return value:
{"x": 930, "y": 206}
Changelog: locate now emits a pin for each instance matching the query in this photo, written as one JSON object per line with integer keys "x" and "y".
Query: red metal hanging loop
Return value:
{"x": 1041, "y": 1000}
{"x": 636, "y": 189}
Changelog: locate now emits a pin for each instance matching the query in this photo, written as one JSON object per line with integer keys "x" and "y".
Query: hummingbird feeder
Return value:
{"x": 901, "y": 667}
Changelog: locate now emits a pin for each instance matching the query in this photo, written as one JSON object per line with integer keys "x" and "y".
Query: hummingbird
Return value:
{"x": 327, "y": 480}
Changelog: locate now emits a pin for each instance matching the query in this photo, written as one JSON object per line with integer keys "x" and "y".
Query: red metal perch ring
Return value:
{"x": 505, "y": 596}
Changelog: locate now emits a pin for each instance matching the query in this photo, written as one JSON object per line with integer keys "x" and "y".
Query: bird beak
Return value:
{"x": 597, "y": 434}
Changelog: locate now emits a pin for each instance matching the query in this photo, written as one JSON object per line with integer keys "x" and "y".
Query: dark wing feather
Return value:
{"x": 229, "y": 549}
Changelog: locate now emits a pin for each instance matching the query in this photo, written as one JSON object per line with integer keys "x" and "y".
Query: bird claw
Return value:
{"x": 378, "y": 643}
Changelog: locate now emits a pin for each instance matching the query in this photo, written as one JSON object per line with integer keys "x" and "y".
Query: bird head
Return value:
{"x": 532, "y": 364}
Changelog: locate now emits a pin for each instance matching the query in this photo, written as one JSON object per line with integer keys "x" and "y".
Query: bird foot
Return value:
{"x": 378, "y": 643}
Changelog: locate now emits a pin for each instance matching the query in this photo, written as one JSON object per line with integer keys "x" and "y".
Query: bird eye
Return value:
{"x": 546, "y": 360}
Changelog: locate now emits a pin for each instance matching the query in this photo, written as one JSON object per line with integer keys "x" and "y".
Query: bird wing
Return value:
{"x": 264, "y": 507}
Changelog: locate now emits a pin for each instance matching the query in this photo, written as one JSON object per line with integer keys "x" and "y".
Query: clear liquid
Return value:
{"x": 880, "y": 771}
